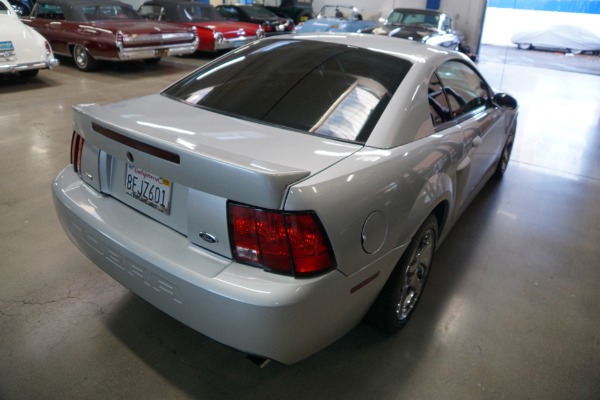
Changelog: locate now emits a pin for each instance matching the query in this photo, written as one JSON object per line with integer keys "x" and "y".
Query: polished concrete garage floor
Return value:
{"x": 511, "y": 311}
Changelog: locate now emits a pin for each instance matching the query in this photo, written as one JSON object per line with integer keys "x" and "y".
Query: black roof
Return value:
{"x": 71, "y": 3}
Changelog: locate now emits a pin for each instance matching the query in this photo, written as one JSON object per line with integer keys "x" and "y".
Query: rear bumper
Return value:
{"x": 233, "y": 43}
{"x": 264, "y": 314}
{"x": 141, "y": 53}
{"x": 16, "y": 67}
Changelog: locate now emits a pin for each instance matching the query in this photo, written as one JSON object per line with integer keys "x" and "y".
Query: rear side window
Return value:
{"x": 465, "y": 90}
{"x": 325, "y": 89}
{"x": 49, "y": 11}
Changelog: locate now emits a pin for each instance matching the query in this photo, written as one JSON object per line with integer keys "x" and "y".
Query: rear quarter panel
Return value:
{"x": 403, "y": 184}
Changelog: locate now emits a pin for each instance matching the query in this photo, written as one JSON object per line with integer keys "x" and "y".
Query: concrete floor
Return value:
{"x": 511, "y": 311}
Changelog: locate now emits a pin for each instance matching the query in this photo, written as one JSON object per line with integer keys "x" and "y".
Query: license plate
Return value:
{"x": 161, "y": 52}
{"x": 7, "y": 46}
{"x": 148, "y": 188}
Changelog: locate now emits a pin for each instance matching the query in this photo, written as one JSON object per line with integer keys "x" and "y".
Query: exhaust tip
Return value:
{"x": 259, "y": 361}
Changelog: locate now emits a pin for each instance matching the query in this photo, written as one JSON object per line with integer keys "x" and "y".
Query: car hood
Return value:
{"x": 268, "y": 157}
{"x": 411, "y": 32}
{"x": 322, "y": 24}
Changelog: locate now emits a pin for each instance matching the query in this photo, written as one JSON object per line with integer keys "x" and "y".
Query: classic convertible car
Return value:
{"x": 92, "y": 30}
{"x": 270, "y": 22}
{"x": 22, "y": 49}
{"x": 276, "y": 196}
{"x": 338, "y": 18}
{"x": 215, "y": 32}
{"x": 426, "y": 26}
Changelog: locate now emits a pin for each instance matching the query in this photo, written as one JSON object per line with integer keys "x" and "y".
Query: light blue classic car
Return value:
{"x": 337, "y": 18}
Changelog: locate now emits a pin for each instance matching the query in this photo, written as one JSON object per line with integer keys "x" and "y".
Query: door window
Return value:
{"x": 465, "y": 90}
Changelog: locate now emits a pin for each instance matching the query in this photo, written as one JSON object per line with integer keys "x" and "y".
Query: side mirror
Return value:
{"x": 505, "y": 101}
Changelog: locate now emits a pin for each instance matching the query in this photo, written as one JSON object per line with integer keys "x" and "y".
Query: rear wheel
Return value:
{"x": 83, "y": 60}
{"x": 576, "y": 51}
{"x": 505, "y": 156}
{"x": 395, "y": 304}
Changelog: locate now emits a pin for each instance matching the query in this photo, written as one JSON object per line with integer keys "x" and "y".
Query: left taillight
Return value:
{"x": 291, "y": 243}
{"x": 48, "y": 48}
{"x": 76, "y": 150}
{"x": 120, "y": 39}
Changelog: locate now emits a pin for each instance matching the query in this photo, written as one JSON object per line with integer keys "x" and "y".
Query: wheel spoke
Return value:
{"x": 415, "y": 275}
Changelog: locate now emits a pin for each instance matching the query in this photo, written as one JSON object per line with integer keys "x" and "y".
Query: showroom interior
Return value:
{"x": 512, "y": 305}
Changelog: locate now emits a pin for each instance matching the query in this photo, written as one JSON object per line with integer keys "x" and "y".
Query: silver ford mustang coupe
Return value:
{"x": 284, "y": 192}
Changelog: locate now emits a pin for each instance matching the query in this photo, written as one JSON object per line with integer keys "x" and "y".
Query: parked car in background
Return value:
{"x": 23, "y": 8}
{"x": 426, "y": 26}
{"x": 276, "y": 196}
{"x": 215, "y": 32}
{"x": 22, "y": 50}
{"x": 297, "y": 10}
{"x": 567, "y": 38}
{"x": 93, "y": 30}
{"x": 270, "y": 22}
{"x": 337, "y": 18}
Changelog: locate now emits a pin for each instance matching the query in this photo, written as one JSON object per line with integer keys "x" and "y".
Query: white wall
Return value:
{"x": 467, "y": 14}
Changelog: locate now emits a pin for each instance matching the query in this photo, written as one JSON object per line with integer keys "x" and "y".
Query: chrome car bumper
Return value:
{"x": 140, "y": 53}
{"x": 233, "y": 43}
{"x": 259, "y": 313}
{"x": 16, "y": 67}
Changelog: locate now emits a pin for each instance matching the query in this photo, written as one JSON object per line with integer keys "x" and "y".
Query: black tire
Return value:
{"x": 505, "y": 155}
{"x": 397, "y": 301}
{"x": 29, "y": 73}
{"x": 83, "y": 60}
{"x": 152, "y": 61}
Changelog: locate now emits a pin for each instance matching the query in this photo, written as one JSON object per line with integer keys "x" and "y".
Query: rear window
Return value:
{"x": 326, "y": 89}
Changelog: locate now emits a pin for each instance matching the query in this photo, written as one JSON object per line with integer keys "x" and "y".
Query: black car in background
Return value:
{"x": 298, "y": 10}
{"x": 270, "y": 22}
{"x": 426, "y": 26}
{"x": 22, "y": 8}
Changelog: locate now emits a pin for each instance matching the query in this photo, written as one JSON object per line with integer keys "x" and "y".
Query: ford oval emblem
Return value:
{"x": 207, "y": 237}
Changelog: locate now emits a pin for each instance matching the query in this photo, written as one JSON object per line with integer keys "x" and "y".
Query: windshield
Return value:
{"x": 197, "y": 13}
{"x": 108, "y": 12}
{"x": 325, "y": 89}
{"x": 259, "y": 12}
{"x": 340, "y": 12}
{"x": 413, "y": 18}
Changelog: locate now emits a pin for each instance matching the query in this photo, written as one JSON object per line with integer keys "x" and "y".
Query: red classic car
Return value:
{"x": 215, "y": 32}
{"x": 92, "y": 30}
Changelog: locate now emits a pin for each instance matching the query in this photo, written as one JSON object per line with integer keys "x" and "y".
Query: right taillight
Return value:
{"x": 76, "y": 149}
{"x": 283, "y": 242}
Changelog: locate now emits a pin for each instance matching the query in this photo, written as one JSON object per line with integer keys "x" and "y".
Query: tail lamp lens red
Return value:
{"x": 287, "y": 243}
{"x": 76, "y": 149}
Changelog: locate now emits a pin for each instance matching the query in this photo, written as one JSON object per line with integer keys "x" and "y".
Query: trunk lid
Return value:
{"x": 147, "y": 33}
{"x": 209, "y": 158}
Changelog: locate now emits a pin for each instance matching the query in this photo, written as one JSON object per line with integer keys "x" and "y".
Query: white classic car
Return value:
{"x": 22, "y": 49}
